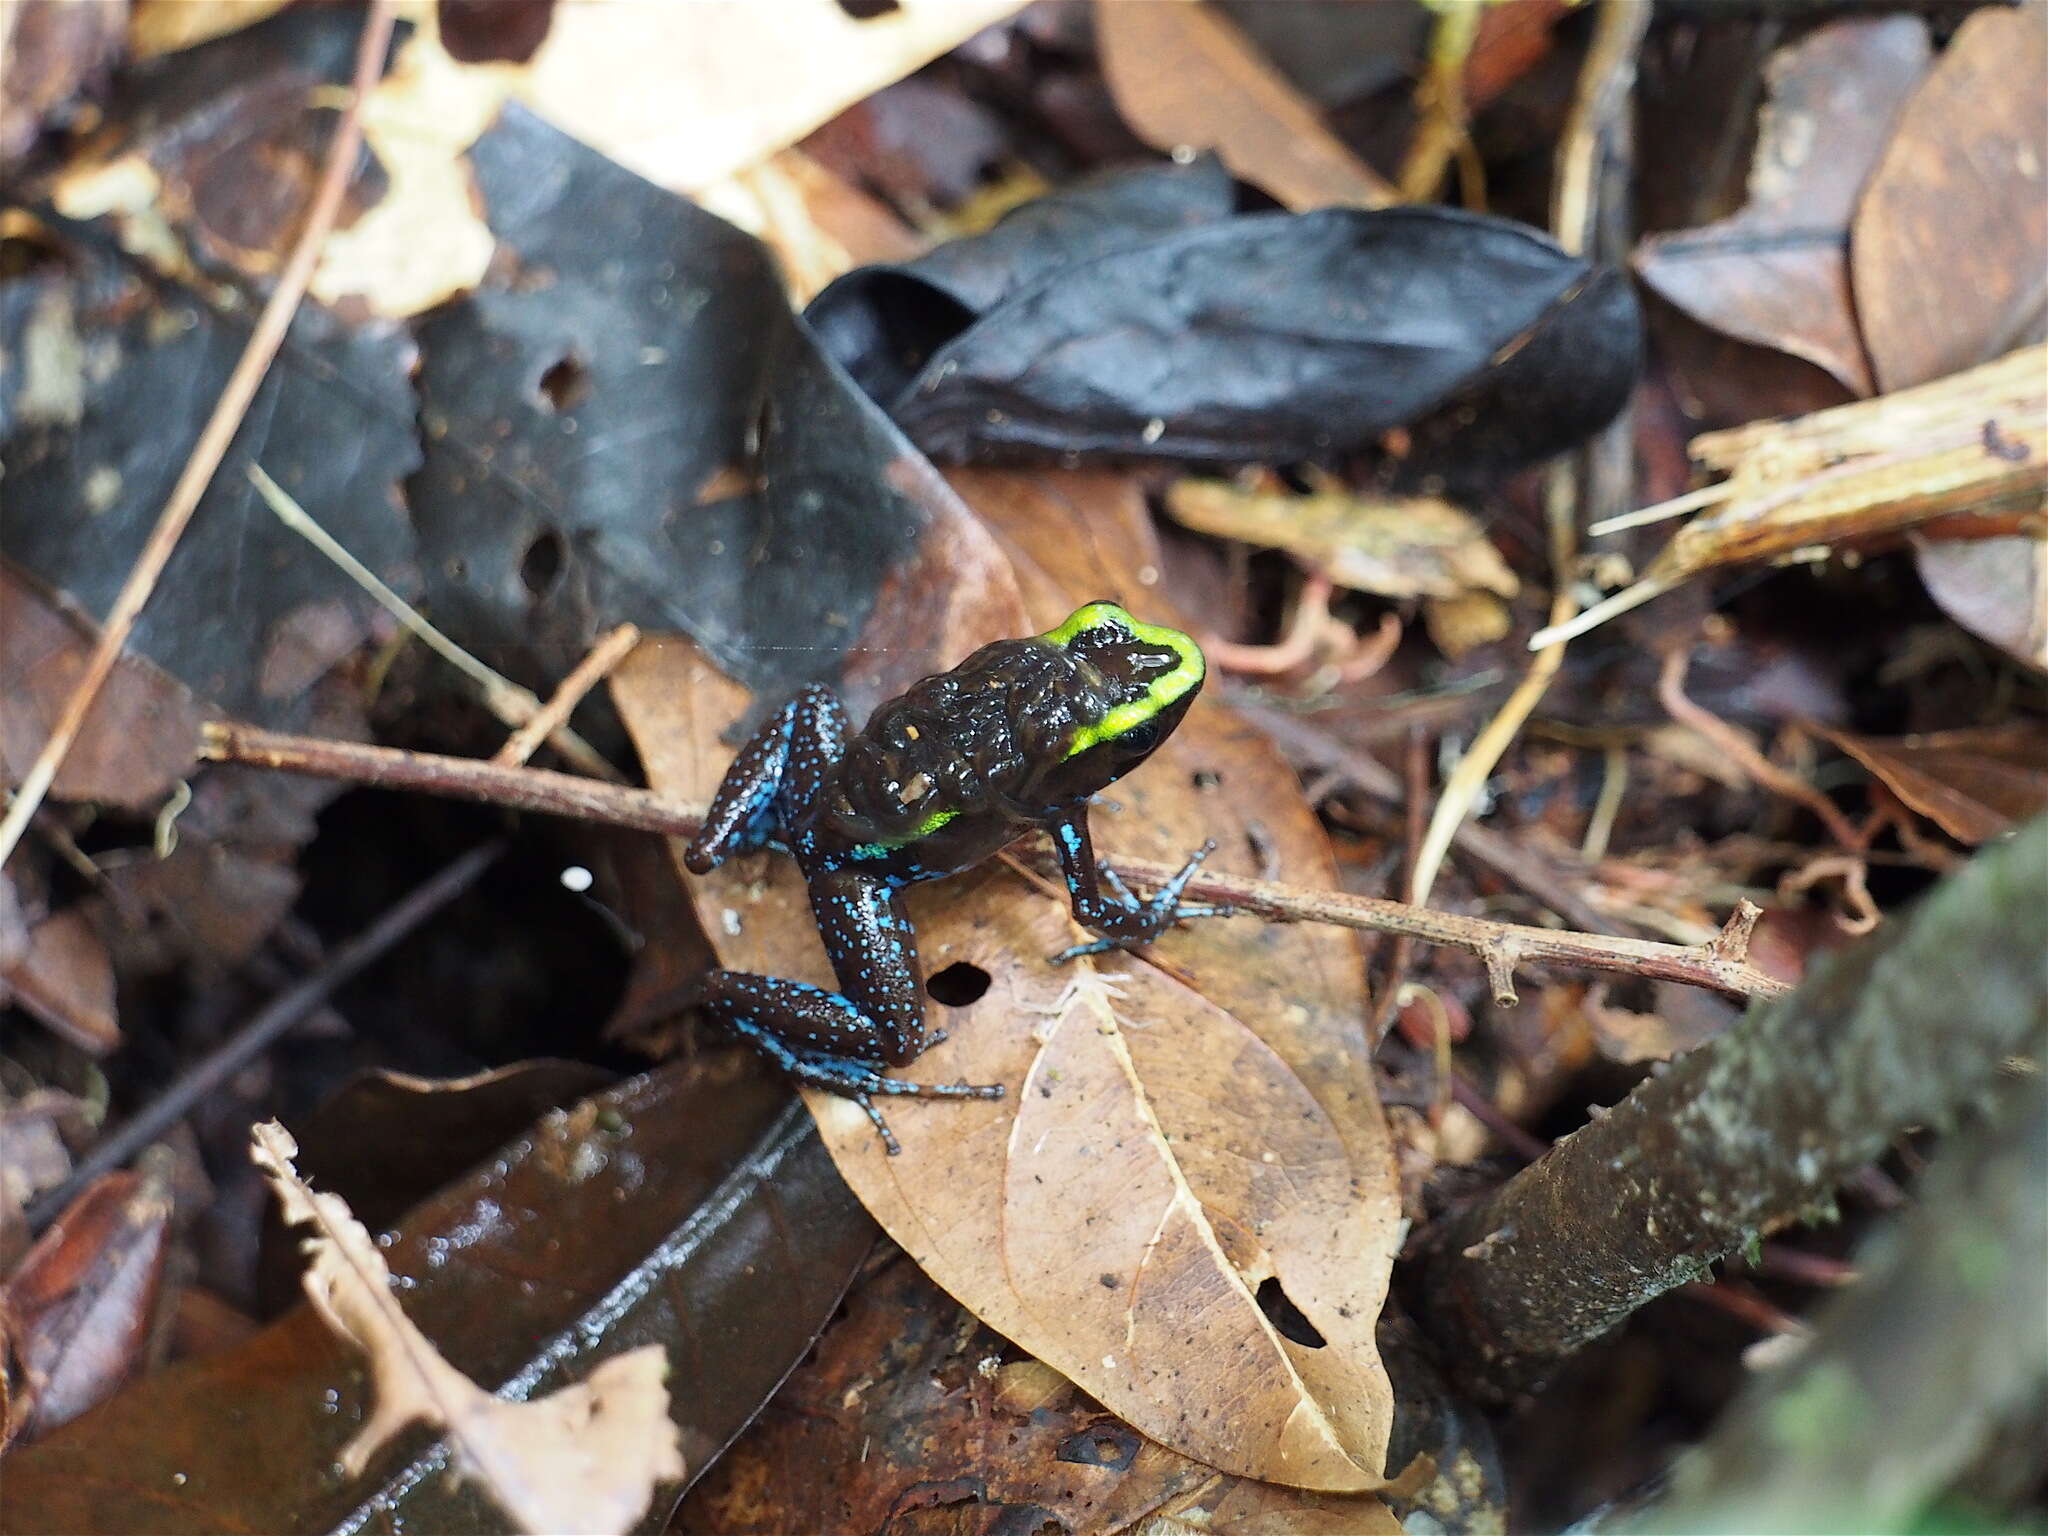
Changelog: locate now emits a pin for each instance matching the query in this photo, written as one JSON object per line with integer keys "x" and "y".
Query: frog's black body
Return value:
{"x": 1018, "y": 736}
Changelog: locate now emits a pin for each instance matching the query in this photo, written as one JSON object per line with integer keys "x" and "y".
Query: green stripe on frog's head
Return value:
{"x": 1154, "y": 671}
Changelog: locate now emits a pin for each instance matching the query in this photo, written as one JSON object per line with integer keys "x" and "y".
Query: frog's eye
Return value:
{"x": 1140, "y": 738}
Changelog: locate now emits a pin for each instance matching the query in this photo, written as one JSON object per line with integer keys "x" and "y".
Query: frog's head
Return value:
{"x": 1143, "y": 678}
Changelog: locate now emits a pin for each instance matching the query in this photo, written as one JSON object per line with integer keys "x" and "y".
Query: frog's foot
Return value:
{"x": 1125, "y": 922}
{"x": 852, "y": 1078}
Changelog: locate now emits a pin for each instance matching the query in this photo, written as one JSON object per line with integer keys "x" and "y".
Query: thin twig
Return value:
{"x": 264, "y": 1027}
{"x": 1309, "y": 745}
{"x": 264, "y": 340}
{"x": 514, "y": 705}
{"x": 548, "y": 720}
{"x": 455, "y": 778}
{"x": 1502, "y": 946}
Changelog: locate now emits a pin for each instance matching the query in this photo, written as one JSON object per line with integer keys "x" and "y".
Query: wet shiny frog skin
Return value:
{"x": 1018, "y": 736}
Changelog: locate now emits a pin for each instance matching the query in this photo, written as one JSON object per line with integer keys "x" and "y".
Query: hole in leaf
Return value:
{"x": 868, "y": 10}
{"x": 1206, "y": 778}
{"x": 958, "y": 985}
{"x": 541, "y": 566}
{"x": 1286, "y": 1317}
{"x": 1105, "y": 1443}
{"x": 565, "y": 384}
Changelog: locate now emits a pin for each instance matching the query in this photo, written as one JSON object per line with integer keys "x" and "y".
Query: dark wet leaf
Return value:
{"x": 385, "y": 1141}
{"x": 494, "y": 31}
{"x": 1138, "y": 316}
{"x": 629, "y": 423}
{"x": 118, "y": 370}
{"x": 691, "y": 1208}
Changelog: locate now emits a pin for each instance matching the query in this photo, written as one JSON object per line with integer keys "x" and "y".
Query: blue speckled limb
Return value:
{"x": 1022, "y": 733}
{"x": 1103, "y": 903}
{"x": 838, "y": 1041}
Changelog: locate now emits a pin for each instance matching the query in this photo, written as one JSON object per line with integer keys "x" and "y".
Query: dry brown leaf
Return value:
{"x": 78, "y": 1315}
{"x": 67, "y": 981}
{"x": 1410, "y": 547}
{"x": 687, "y": 94}
{"x": 1149, "y": 1138}
{"x": 1995, "y": 588}
{"x": 1183, "y": 75}
{"x": 141, "y": 735}
{"x": 1463, "y": 623}
{"x": 1946, "y": 250}
{"x": 1974, "y": 784}
{"x": 586, "y": 1458}
{"x": 425, "y": 240}
{"x": 1777, "y": 273}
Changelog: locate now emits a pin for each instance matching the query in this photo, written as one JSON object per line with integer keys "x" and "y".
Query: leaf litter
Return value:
{"x": 586, "y": 1458}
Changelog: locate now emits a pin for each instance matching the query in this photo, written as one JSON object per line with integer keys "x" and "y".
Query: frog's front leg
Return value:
{"x": 1104, "y": 905}
{"x": 772, "y": 778}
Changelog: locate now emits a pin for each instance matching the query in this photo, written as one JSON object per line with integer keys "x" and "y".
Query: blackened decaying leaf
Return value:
{"x": 686, "y": 1208}
{"x": 629, "y": 423}
{"x": 1185, "y": 331}
{"x": 119, "y": 370}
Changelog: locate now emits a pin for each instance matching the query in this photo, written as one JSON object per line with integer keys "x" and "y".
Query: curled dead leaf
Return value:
{"x": 1397, "y": 547}
{"x": 586, "y": 1458}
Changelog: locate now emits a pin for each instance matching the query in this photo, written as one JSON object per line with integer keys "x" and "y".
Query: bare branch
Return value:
{"x": 562, "y": 794}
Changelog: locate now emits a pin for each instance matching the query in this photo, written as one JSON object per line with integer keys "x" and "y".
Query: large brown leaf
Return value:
{"x": 1164, "y": 1150}
{"x": 1946, "y": 248}
{"x": 1777, "y": 273}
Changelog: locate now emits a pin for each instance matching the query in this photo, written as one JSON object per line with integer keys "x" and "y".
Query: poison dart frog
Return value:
{"x": 1020, "y": 735}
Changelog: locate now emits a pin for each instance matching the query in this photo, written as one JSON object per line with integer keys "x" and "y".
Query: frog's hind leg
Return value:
{"x": 776, "y": 771}
{"x": 819, "y": 1038}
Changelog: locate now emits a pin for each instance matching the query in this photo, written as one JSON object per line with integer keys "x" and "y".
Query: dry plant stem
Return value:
{"x": 1671, "y": 693}
{"x": 1602, "y": 93}
{"x": 1752, "y": 1130}
{"x": 550, "y": 717}
{"x": 456, "y": 778}
{"x": 1310, "y": 746}
{"x": 264, "y": 1027}
{"x": 264, "y": 339}
{"x": 514, "y": 705}
{"x": 1720, "y": 966}
{"x": 1415, "y": 769}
